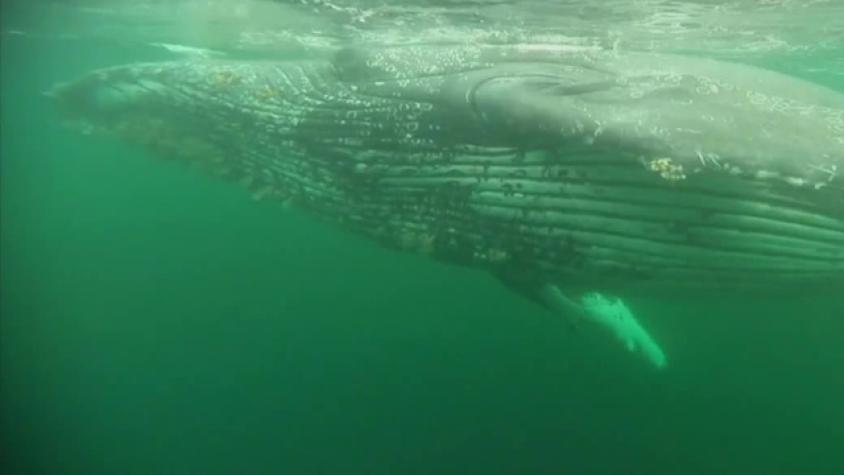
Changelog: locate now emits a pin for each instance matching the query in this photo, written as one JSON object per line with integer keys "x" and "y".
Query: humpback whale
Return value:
{"x": 577, "y": 176}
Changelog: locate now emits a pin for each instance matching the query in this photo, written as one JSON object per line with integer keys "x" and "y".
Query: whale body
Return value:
{"x": 572, "y": 174}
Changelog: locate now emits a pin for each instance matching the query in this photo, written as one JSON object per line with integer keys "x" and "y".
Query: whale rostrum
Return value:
{"x": 574, "y": 175}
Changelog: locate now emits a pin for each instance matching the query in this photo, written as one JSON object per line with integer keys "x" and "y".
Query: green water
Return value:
{"x": 158, "y": 322}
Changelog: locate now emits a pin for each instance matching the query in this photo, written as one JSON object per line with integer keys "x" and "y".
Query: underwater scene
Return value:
{"x": 422, "y": 237}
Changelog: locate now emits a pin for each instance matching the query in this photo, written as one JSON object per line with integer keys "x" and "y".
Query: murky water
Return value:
{"x": 154, "y": 321}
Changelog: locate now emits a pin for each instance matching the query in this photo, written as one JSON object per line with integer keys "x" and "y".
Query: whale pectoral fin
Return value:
{"x": 610, "y": 313}
{"x": 607, "y": 312}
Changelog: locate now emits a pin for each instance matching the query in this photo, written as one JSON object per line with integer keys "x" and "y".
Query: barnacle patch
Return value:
{"x": 667, "y": 169}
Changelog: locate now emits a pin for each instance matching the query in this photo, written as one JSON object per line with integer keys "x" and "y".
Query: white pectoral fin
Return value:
{"x": 612, "y": 314}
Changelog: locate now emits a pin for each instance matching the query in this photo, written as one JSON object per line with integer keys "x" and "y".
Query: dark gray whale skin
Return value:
{"x": 585, "y": 169}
